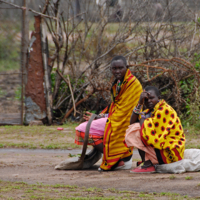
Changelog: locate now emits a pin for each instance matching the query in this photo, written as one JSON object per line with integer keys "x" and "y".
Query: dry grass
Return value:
{"x": 48, "y": 137}
{"x": 21, "y": 190}
{"x": 45, "y": 137}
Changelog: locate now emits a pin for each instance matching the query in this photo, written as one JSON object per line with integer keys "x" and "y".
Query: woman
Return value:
{"x": 107, "y": 133}
{"x": 159, "y": 134}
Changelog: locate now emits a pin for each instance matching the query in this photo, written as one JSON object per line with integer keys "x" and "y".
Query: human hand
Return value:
{"x": 144, "y": 95}
{"x": 87, "y": 116}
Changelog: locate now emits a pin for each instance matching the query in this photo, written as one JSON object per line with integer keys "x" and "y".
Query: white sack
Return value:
{"x": 190, "y": 163}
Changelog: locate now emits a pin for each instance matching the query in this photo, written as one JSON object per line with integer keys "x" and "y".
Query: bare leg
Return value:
{"x": 142, "y": 155}
{"x": 99, "y": 147}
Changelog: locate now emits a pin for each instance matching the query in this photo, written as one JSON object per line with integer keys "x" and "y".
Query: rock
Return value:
{"x": 33, "y": 111}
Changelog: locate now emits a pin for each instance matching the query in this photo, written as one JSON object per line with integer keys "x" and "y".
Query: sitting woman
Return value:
{"x": 159, "y": 134}
{"x": 107, "y": 133}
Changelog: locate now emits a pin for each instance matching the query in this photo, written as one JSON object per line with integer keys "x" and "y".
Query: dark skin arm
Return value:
{"x": 87, "y": 116}
{"x": 144, "y": 95}
{"x": 134, "y": 118}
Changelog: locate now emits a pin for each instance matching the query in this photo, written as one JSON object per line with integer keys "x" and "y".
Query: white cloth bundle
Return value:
{"x": 190, "y": 163}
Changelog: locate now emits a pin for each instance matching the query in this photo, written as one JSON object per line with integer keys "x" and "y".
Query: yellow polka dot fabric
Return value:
{"x": 163, "y": 131}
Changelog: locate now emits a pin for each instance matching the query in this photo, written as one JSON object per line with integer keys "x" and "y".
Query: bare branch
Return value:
{"x": 29, "y": 9}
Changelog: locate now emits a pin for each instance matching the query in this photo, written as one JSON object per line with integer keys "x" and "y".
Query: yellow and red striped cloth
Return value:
{"x": 118, "y": 120}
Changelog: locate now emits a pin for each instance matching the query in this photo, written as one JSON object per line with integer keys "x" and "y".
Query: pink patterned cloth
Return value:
{"x": 133, "y": 139}
{"x": 97, "y": 127}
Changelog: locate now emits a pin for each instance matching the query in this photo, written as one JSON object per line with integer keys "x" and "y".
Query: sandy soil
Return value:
{"x": 34, "y": 166}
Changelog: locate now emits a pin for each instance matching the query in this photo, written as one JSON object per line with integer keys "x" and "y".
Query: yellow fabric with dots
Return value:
{"x": 163, "y": 131}
{"x": 118, "y": 121}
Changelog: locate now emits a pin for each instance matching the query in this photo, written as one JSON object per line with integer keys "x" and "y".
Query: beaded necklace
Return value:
{"x": 118, "y": 87}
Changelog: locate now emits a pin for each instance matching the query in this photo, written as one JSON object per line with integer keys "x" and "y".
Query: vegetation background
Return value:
{"x": 159, "y": 38}
{"x": 84, "y": 35}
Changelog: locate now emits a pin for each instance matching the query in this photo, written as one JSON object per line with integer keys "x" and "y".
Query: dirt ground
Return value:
{"x": 33, "y": 166}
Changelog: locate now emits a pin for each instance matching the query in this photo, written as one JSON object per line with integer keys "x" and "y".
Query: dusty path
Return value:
{"x": 34, "y": 166}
